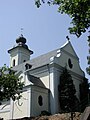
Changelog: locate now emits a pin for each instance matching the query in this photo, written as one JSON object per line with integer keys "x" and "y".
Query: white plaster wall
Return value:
{"x": 23, "y": 54}
{"x": 77, "y": 76}
{"x": 13, "y": 55}
{"x": 75, "y": 71}
{"x": 63, "y": 61}
{"x": 52, "y": 95}
{"x": 5, "y": 110}
{"x": 19, "y": 54}
{"x": 5, "y": 115}
{"x": 36, "y": 108}
{"x": 21, "y": 107}
{"x": 17, "y": 109}
{"x": 45, "y": 81}
{"x": 54, "y": 82}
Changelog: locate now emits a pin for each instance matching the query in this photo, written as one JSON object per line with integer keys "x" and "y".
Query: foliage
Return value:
{"x": 67, "y": 92}
{"x": 10, "y": 85}
{"x": 45, "y": 113}
{"x": 84, "y": 92}
{"x": 78, "y": 10}
{"x": 88, "y": 57}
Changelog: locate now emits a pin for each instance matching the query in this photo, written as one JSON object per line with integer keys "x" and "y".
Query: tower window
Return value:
{"x": 14, "y": 62}
{"x": 28, "y": 66}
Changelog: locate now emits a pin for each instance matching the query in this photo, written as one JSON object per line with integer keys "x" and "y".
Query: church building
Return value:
{"x": 41, "y": 76}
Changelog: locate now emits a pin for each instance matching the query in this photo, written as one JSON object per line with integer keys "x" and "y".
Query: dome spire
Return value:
{"x": 21, "y": 39}
{"x": 22, "y": 32}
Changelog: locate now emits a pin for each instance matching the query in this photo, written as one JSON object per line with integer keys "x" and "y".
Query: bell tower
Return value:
{"x": 20, "y": 53}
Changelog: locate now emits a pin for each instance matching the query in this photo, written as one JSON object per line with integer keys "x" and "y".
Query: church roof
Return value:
{"x": 35, "y": 80}
{"x": 44, "y": 59}
{"x": 38, "y": 61}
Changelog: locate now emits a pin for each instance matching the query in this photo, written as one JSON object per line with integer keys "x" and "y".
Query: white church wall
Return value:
{"x": 57, "y": 73}
{"x": 20, "y": 55}
{"x": 54, "y": 82}
{"x": 5, "y": 110}
{"x": 37, "y": 107}
{"x": 20, "y": 108}
{"x": 25, "y": 79}
{"x": 23, "y": 55}
{"x": 45, "y": 81}
{"x": 52, "y": 100}
{"x": 75, "y": 71}
{"x": 62, "y": 61}
{"x": 43, "y": 74}
{"x": 5, "y": 115}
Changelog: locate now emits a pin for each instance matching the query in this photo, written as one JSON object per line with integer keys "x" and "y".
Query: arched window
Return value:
{"x": 40, "y": 100}
{"x": 70, "y": 63}
{"x": 14, "y": 62}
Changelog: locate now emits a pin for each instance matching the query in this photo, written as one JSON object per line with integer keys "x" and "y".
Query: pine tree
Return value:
{"x": 84, "y": 92}
{"x": 67, "y": 92}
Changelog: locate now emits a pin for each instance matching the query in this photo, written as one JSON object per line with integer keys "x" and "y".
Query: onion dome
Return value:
{"x": 21, "y": 39}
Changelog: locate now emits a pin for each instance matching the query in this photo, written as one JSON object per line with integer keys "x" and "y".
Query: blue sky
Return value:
{"x": 45, "y": 29}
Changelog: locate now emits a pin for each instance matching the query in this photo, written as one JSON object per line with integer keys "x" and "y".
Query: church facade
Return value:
{"x": 41, "y": 76}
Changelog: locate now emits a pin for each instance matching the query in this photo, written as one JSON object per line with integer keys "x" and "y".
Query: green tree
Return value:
{"x": 67, "y": 93}
{"x": 78, "y": 11}
{"x": 88, "y": 57}
{"x": 84, "y": 94}
{"x": 10, "y": 84}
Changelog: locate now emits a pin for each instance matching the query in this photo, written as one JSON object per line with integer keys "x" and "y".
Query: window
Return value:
{"x": 40, "y": 100}
{"x": 14, "y": 62}
{"x": 24, "y": 61}
{"x": 70, "y": 63}
{"x": 28, "y": 66}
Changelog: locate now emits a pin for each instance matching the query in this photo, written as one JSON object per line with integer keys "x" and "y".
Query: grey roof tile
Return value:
{"x": 35, "y": 80}
{"x": 38, "y": 61}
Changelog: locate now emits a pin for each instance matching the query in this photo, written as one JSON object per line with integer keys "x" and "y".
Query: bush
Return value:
{"x": 45, "y": 113}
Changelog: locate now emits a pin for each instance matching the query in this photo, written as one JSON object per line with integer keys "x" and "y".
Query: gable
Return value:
{"x": 68, "y": 49}
{"x": 67, "y": 57}
{"x": 61, "y": 56}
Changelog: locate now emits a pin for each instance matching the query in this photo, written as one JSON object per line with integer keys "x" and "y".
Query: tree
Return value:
{"x": 67, "y": 92}
{"x": 88, "y": 57}
{"x": 10, "y": 84}
{"x": 78, "y": 11}
{"x": 84, "y": 94}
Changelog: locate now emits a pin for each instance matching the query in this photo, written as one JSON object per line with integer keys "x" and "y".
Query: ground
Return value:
{"x": 66, "y": 116}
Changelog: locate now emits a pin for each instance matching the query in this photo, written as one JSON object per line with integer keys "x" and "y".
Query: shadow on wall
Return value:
{"x": 35, "y": 80}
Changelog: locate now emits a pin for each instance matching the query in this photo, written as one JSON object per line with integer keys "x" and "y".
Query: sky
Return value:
{"x": 44, "y": 28}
